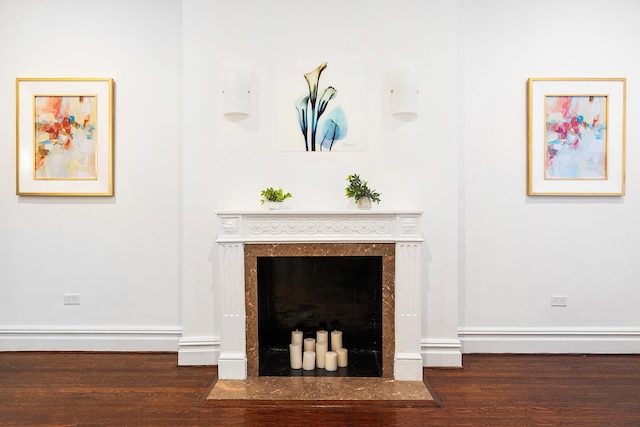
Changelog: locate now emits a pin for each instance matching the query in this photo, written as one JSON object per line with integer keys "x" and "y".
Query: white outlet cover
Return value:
{"x": 71, "y": 299}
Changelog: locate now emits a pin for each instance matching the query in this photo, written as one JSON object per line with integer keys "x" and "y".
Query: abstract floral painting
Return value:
{"x": 576, "y": 137}
{"x": 320, "y": 106}
{"x": 65, "y": 137}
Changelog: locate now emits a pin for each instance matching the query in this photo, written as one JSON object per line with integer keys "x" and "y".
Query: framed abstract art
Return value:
{"x": 576, "y": 136}
{"x": 64, "y": 137}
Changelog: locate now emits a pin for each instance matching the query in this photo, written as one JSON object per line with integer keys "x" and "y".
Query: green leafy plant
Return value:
{"x": 359, "y": 189}
{"x": 272, "y": 195}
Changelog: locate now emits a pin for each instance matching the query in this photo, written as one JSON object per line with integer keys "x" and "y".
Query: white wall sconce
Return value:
{"x": 404, "y": 92}
{"x": 236, "y": 93}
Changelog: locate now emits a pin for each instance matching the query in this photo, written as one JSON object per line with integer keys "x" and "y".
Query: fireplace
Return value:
{"x": 262, "y": 255}
{"x": 327, "y": 286}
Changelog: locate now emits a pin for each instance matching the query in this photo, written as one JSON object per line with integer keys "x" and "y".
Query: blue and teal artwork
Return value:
{"x": 320, "y": 105}
{"x": 319, "y": 130}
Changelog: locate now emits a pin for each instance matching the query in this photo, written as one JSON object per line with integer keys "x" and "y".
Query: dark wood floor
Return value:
{"x": 133, "y": 389}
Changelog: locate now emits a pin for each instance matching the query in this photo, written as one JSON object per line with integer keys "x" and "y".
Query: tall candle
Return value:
{"x": 309, "y": 344}
{"x": 343, "y": 358}
{"x": 295, "y": 356}
{"x": 296, "y": 337}
{"x": 336, "y": 340}
{"x": 321, "y": 351}
{"x": 331, "y": 361}
{"x": 309, "y": 361}
{"x": 322, "y": 336}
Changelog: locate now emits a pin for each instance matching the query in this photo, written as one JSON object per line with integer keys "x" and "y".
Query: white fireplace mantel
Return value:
{"x": 236, "y": 228}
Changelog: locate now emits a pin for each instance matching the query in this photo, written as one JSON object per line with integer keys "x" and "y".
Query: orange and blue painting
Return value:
{"x": 576, "y": 137}
{"x": 65, "y": 137}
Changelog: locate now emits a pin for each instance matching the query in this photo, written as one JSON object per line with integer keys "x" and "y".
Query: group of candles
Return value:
{"x": 316, "y": 351}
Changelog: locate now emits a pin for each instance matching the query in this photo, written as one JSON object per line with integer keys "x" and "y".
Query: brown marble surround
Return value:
{"x": 385, "y": 250}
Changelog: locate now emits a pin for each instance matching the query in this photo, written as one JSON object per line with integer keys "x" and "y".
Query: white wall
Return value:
{"x": 226, "y": 164}
{"x": 143, "y": 260}
{"x": 519, "y": 250}
{"x": 120, "y": 254}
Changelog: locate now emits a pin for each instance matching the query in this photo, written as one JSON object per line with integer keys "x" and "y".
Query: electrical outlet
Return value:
{"x": 558, "y": 301}
{"x": 71, "y": 299}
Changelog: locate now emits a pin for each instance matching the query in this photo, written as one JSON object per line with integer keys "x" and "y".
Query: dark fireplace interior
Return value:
{"x": 311, "y": 293}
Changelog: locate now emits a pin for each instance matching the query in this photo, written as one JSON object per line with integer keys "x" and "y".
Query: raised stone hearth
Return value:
{"x": 395, "y": 236}
{"x": 334, "y": 390}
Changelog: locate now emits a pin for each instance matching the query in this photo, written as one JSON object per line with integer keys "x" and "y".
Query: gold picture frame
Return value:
{"x": 64, "y": 137}
{"x": 576, "y": 136}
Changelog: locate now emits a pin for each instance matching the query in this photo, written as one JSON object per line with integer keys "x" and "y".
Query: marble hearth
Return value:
{"x": 394, "y": 235}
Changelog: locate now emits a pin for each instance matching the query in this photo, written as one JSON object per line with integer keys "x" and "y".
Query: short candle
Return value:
{"x": 309, "y": 361}
{"x": 322, "y": 336}
{"x": 295, "y": 356}
{"x": 309, "y": 344}
{"x": 343, "y": 358}
{"x": 296, "y": 337}
{"x": 336, "y": 340}
{"x": 331, "y": 361}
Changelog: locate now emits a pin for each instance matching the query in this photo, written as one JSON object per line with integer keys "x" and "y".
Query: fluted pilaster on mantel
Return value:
{"x": 408, "y": 360}
{"x": 232, "y": 363}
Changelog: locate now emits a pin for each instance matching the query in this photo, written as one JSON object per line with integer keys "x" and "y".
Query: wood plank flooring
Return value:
{"x": 148, "y": 389}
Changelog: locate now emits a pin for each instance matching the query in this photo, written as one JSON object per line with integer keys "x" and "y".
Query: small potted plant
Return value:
{"x": 360, "y": 192}
{"x": 274, "y": 198}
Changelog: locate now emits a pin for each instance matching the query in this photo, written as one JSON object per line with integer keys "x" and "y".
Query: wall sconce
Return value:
{"x": 236, "y": 93}
{"x": 404, "y": 92}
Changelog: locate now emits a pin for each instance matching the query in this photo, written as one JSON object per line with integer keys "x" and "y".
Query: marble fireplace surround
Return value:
{"x": 394, "y": 235}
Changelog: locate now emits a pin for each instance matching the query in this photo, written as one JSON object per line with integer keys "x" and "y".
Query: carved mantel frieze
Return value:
{"x": 296, "y": 226}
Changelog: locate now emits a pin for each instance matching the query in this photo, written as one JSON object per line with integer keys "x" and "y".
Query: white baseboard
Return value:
{"x": 434, "y": 352}
{"x": 78, "y": 338}
{"x": 198, "y": 351}
{"x": 550, "y": 340}
{"x": 444, "y": 352}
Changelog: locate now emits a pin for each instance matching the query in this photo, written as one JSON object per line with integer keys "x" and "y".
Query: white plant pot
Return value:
{"x": 274, "y": 205}
{"x": 364, "y": 203}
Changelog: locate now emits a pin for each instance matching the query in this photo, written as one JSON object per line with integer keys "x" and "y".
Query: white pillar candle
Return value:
{"x": 321, "y": 351}
{"x": 336, "y": 340}
{"x": 331, "y": 361}
{"x": 295, "y": 356}
{"x": 309, "y": 361}
{"x": 343, "y": 358}
{"x": 322, "y": 336}
{"x": 296, "y": 337}
{"x": 309, "y": 344}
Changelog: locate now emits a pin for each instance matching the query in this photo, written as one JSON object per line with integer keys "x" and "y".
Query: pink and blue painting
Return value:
{"x": 576, "y": 137}
{"x": 65, "y": 137}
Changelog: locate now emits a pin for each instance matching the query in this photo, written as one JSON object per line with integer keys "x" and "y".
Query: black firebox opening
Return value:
{"x": 320, "y": 293}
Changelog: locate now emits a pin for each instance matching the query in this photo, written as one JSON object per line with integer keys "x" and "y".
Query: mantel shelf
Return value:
{"x": 346, "y": 212}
